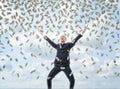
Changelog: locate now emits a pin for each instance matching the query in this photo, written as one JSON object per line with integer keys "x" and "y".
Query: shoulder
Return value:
{"x": 58, "y": 44}
{"x": 68, "y": 43}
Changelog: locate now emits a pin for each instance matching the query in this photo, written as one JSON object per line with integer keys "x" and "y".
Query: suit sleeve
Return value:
{"x": 71, "y": 44}
{"x": 50, "y": 42}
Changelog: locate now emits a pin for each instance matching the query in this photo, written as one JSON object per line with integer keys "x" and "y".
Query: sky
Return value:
{"x": 26, "y": 58}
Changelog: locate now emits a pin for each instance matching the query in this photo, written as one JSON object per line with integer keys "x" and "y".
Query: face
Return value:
{"x": 62, "y": 39}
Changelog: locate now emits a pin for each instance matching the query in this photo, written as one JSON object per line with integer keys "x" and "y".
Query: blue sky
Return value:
{"x": 95, "y": 57}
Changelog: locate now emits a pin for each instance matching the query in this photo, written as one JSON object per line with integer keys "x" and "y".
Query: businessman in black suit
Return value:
{"x": 62, "y": 59}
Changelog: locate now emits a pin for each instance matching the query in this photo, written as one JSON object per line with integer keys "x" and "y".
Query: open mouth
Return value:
{"x": 62, "y": 41}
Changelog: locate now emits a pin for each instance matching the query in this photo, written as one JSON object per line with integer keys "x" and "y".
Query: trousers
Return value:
{"x": 56, "y": 70}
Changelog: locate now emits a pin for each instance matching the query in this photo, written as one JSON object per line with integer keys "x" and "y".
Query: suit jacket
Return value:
{"x": 62, "y": 57}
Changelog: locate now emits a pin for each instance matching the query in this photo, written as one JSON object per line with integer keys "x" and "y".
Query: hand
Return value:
{"x": 40, "y": 31}
{"x": 84, "y": 29}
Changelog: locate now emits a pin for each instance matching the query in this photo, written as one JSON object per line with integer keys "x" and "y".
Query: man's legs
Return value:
{"x": 51, "y": 75}
{"x": 70, "y": 76}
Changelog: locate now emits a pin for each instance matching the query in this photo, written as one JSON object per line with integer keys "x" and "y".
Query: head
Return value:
{"x": 63, "y": 39}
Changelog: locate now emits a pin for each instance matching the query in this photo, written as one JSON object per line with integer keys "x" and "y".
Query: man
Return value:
{"x": 62, "y": 60}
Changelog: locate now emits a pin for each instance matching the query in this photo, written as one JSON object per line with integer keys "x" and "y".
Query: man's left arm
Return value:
{"x": 78, "y": 37}
{"x": 75, "y": 40}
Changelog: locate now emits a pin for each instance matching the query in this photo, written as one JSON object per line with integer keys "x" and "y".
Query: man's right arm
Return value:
{"x": 50, "y": 42}
{"x": 48, "y": 39}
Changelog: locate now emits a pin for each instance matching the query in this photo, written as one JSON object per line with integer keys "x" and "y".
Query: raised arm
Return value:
{"x": 78, "y": 37}
{"x": 50, "y": 42}
{"x": 48, "y": 39}
{"x": 71, "y": 44}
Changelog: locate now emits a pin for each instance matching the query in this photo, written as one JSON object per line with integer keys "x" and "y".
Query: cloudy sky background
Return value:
{"x": 26, "y": 58}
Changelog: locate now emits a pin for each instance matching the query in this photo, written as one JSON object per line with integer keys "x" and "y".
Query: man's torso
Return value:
{"x": 62, "y": 57}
